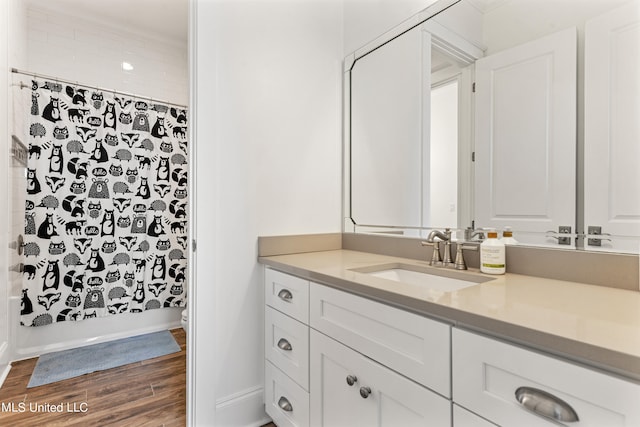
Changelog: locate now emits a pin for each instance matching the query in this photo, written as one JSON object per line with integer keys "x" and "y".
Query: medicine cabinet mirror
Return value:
{"x": 494, "y": 113}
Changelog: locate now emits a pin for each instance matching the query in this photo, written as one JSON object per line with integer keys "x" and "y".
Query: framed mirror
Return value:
{"x": 485, "y": 113}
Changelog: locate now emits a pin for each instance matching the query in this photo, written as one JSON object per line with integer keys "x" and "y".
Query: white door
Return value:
{"x": 377, "y": 396}
{"x": 612, "y": 127}
{"x": 525, "y": 137}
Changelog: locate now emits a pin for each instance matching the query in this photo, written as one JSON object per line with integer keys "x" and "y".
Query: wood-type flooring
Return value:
{"x": 147, "y": 393}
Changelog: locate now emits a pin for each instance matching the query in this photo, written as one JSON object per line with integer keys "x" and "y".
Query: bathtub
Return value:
{"x": 27, "y": 342}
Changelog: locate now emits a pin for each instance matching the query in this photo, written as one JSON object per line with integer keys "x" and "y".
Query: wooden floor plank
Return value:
{"x": 148, "y": 393}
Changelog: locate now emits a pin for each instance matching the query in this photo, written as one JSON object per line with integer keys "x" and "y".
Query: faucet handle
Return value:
{"x": 459, "y": 263}
{"x": 435, "y": 255}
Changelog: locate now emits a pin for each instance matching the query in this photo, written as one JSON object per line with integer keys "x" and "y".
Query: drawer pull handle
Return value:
{"x": 351, "y": 379}
{"x": 546, "y": 405}
{"x": 285, "y": 295}
{"x": 285, "y": 345}
{"x": 284, "y": 404}
{"x": 365, "y": 392}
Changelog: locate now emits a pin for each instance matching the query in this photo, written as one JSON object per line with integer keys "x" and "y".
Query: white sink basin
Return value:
{"x": 442, "y": 280}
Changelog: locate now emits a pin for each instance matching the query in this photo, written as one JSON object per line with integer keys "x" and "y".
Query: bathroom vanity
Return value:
{"x": 345, "y": 345}
{"x": 362, "y": 336}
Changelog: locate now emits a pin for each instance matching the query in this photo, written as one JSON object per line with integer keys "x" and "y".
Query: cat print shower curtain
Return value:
{"x": 106, "y": 205}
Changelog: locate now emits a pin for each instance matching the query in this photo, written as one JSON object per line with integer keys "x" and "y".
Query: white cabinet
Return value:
{"x": 412, "y": 345}
{"x": 335, "y": 359}
{"x": 393, "y": 358}
{"x": 349, "y": 389}
{"x": 489, "y": 375}
{"x": 286, "y": 348}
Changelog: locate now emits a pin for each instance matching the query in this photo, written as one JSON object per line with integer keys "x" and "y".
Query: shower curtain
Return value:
{"x": 106, "y": 207}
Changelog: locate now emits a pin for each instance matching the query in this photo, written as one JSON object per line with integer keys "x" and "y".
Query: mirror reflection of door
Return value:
{"x": 612, "y": 130}
{"x": 443, "y": 166}
{"x": 525, "y": 137}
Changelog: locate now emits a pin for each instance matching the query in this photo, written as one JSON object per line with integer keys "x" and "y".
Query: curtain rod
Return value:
{"x": 75, "y": 83}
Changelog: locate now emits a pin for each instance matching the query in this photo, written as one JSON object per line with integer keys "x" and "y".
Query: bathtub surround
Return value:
{"x": 106, "y": 204}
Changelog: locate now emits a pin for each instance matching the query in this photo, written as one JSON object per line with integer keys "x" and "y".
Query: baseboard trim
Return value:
{"x": 244, "y": 408}
{"x": 4, "y": 374}
{"x": 4, "y": 369}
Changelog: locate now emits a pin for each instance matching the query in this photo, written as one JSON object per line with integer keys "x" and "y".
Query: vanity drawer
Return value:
{"x": 487, "y": 375}
{"x": 287, "y": 345}
{"x": 412, "y": 345}
{"x": 285, "y": 401}
{"x": 288, "y": 294}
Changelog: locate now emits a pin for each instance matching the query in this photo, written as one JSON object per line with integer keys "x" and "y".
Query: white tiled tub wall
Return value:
{"x": 79, "y": 48}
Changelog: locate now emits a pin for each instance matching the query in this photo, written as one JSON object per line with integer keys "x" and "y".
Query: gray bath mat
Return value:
{"x": 62, "y": 365}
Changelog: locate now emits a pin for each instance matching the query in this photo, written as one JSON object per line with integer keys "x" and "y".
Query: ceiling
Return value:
{"x": 166, "y": 19}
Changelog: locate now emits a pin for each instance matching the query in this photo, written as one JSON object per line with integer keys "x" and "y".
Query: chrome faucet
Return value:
{"x": 470, "y": 233}
{"x": 445, "y": 236}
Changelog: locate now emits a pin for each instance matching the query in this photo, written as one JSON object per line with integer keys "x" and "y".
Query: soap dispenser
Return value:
{"x": 507, "y": 236}
{"x": 492, "y": 254}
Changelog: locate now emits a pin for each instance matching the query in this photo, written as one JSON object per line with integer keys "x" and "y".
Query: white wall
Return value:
{"x": 518, "y": 21}
{"x": 78, "y": 48}
{"x": 268, "y": 76}
{"x": 364, "y": 20}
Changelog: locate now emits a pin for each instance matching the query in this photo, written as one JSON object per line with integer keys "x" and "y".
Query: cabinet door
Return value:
{"x": 612, "y": 129}
{"x": 526, "y": 136}
{"x": 377, "y": 396}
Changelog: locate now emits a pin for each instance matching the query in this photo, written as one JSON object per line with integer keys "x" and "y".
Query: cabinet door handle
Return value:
{"x": 351, "y": 379}
{"x": 546, "y": 404}
{"x": 285, "y": 295}
{"x": 285, "y": 345}
{"x": 284, "y": 404}
{"x": 365, "y": 392}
